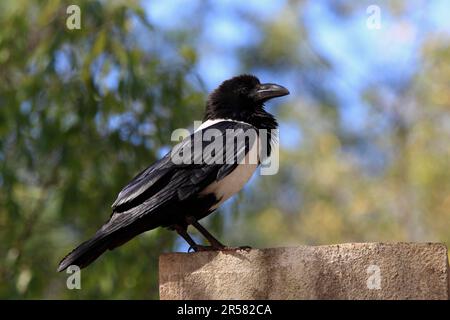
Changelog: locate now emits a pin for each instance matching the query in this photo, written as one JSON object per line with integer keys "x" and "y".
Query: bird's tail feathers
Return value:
{"x": 106, "y": 238}
{"x": 87, "y": 252}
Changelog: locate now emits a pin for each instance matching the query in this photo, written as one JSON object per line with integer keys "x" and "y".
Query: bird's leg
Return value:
{"x": 213, "y": 241}
{"x": 216, "y": 244}
{"x": 194, "y": 246}
{"x": 183, "y": 233}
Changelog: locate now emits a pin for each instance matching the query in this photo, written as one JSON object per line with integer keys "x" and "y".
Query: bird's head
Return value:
{"x": 239, "y": 98}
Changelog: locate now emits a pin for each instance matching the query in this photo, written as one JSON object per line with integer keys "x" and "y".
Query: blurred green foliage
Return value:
{"x": 388, "y": 181}
{"x": 69, "y": 142}
{"x": 82, "y": 111}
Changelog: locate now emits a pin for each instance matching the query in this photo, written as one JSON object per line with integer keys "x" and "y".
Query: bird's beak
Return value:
{"x": 268, "y": 91}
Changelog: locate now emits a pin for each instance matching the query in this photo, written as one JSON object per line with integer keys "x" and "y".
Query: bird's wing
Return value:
{"x": 169, "y": 180}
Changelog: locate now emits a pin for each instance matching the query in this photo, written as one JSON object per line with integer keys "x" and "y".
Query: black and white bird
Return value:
{"x": 175, "y": 195}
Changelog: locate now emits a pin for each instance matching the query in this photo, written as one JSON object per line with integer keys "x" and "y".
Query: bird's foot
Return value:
{"x": 245, "y": 248}
{"x": 198, "y": 248}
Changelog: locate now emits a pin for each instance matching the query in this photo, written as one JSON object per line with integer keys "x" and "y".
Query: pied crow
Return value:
{"x": 186, "y": 185}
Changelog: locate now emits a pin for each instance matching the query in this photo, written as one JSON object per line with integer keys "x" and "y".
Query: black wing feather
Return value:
{"x": 166, "y": 180}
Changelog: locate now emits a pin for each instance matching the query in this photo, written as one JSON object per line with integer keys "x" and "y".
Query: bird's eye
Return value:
{"x": 243, "y": 91}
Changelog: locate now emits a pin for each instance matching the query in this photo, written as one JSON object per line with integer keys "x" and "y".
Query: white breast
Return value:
{"x": 231, "y": 184}
{"x": 236, "y": 180}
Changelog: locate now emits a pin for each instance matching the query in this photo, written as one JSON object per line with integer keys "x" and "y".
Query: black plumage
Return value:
{"x": 175, "y": 195}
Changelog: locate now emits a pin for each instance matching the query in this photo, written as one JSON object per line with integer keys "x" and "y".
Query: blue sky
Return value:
{"x": 359, "y": 55}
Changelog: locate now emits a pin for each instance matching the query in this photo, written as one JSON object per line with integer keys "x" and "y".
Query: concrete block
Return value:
{"x": 343, "y": 271}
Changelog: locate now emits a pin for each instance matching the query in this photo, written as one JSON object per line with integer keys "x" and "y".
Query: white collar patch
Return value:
{"x": 209, "y": 123}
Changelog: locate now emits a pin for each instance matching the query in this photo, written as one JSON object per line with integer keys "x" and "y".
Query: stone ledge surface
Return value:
{"x": 342, "y": 271}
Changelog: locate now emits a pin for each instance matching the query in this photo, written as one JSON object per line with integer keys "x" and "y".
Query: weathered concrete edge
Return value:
{"x": 440, "y": 246}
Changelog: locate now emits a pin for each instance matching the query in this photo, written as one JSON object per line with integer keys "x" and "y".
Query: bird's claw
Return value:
{"x": 245, "y": 248}
{"x": 198, "y": 248}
